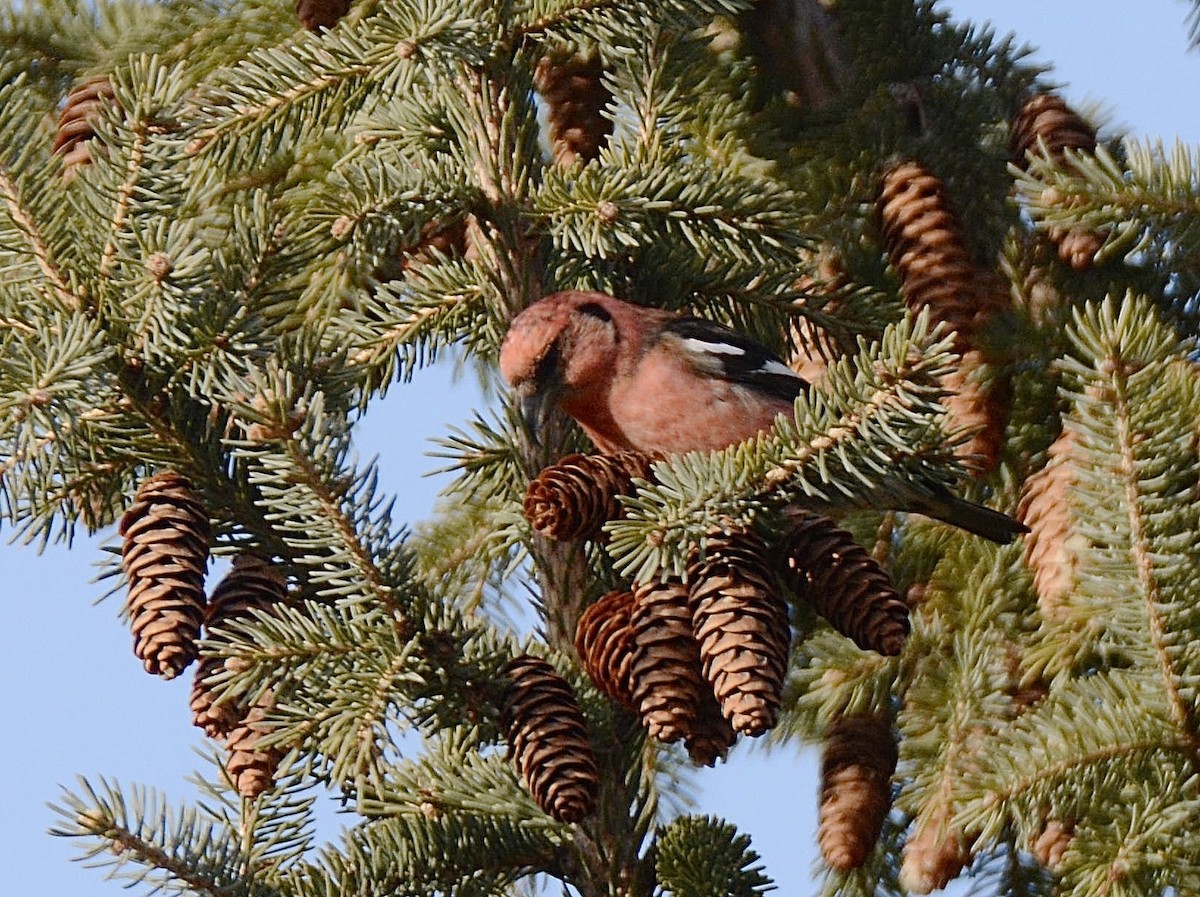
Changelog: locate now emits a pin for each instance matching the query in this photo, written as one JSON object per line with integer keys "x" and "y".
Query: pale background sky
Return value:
{"x": 73, "y": 699}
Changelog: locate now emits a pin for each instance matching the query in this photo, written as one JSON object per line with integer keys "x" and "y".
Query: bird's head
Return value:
{"x": 561, "y": 349}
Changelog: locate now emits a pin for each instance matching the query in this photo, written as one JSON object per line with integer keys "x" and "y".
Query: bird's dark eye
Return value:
{"x": 596, "y": 310}
{"x": 547, "y": 366}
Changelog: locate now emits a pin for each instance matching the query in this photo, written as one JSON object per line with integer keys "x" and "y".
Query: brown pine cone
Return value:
{"x": 575, "y": 497}
{"x": 711, "y": 735}
{"x": 856, "y": 788}
{"x": 823, "y": 565}
{"x": 1047, "y": 118}
{"x": 934, "y": 854}
{"x": 447, "y": 239}
{"x": 815, "y": 347}
{"x": 572, "y": 87}
{"x": 317, "y": 14}
{"x": 1053, "y": 841}
{"x": 251, "y": 766}
{"x": 604, "y": 643}
{"x": 1050, "y": 549}
{"x": 251, "y": 584}
{"x": 165, "y": 555}
{"x": 76, "y": 131}
{"x": 668, "y": 686}
{"x": 978, "y": 403}
{"x": 741, "y": 625}
{"x": 1077, "y": 248}
{"x": 927, "y": 247}
{"x": 548, "y": 741}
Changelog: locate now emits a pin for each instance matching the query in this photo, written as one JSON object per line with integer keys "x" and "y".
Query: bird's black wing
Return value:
{"x": 718, "y": 351}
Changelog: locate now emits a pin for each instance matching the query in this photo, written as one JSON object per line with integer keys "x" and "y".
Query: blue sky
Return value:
{"x": 75, "y": 700}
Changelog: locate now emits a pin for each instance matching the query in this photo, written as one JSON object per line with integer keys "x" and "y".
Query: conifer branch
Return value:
{"x": 1141, "y": 550}
{"x": 172, "y": 849}
{"x": 1061, "y": 754}
{"x": 58, "y": 289}
{"x": 332, "y": 75}
{"x": 1155, "y": 194}
{"x": 133, "y": 170}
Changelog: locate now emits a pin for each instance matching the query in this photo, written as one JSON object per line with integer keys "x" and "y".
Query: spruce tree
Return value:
{"x": 228, "y": 232}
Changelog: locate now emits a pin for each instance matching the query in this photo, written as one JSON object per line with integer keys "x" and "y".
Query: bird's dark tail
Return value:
{"x": 972, "y": 517}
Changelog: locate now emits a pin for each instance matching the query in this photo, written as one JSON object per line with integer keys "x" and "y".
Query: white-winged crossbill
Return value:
{"x": 651, "y": 380}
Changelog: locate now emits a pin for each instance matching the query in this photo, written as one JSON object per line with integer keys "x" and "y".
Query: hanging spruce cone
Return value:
{"x": 315, "y": 15}
{"x": 435, "y": 237}
{"x": 1052, "y": 842}
{"x": 856, "y": 788}
{"x": 251, "y": 765}
{"x": 815, "y": 347}
{"x": 1045, "y": 120}
{"x": 667, "y": 683}
{"x": 251, "y": 585}
{"x": 979, "y": 400}
{"x": 572, "y": 87}
{"x": 604, "y": 642}
{"x": 165, "y": 554}
{"x": 934, "y": 854}
{"x": 823, "y": 565}
{"x": 927, "y": 247}
{"x": 573, "y": 498}
{"x": 547, "y": 739}
{"x": 741, "y": 625}
{"x": 1050, "y": 549}
{"x": 76, "y": 123}
{"x": 446, "y": 239}
{"x": 711, "y": 735}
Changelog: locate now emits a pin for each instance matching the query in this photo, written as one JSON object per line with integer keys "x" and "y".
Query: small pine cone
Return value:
{"x": 548, "y": 741}
{"x": 978, "y": 402}
{"x": 1053, "y": 841}
{"x": 317, "y": 14}
{"x": 604, "y": 642}
{"x": 573, "y": 498}
{"x": 823, "y": 565}
{"x": 572, "y": 87}
{"x": 165, "y": 554}
{"x": 76, "y": 122}
{"x": 856, "y": 792}
{"x": 741, "y": 624}
{"x": 1077, "y": 248}
{"x": 933, "y": 855}
{"x": 447, "y": 239}
{"x": 251, "y": 584}
{"x": 1050, "y": 549}
{"x": 711, "y": 735}
{"x": 817, "y": 348}
{"x": 927, "y": 247}
{"x": 665, "y": 675}
{"x": 251, "y": 767}
{"x": 1048, "y": 118}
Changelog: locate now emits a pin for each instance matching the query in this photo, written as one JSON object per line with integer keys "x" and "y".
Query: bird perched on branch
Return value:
{"x": 651, "y": 380}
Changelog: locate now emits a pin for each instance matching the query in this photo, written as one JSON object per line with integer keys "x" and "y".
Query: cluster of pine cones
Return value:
{"x": 165, "y": 556}
{"x": 699, "y": 659}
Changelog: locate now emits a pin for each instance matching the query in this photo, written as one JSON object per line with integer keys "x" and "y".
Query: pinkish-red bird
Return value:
{"x": 658, "y": 382}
